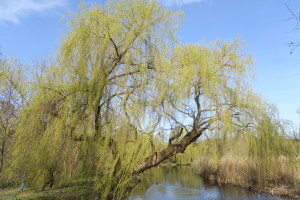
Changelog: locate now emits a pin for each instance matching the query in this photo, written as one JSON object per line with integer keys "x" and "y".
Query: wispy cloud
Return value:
{"x": 13, "y": 10}
{"x": 178, "y": 2}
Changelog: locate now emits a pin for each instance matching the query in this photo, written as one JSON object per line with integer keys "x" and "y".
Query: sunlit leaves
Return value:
{"x": 120, "y": 82}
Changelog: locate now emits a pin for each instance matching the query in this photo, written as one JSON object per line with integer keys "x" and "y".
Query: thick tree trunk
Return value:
{"x": 157, "y": 157}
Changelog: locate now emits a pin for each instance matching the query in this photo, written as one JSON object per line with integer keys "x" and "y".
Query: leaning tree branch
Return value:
{"x": 157, "y": 157}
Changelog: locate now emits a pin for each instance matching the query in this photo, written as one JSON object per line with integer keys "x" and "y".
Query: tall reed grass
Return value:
{"x": 244, "y": 171}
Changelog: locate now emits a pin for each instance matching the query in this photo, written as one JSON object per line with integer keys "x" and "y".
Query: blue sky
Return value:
{"x": 31, "y": 29}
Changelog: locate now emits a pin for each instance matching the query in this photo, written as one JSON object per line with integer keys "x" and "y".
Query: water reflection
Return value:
{"x": 181, "y": 183}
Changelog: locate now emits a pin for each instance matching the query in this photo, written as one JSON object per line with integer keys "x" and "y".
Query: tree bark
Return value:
{"x": 157, "y": 157}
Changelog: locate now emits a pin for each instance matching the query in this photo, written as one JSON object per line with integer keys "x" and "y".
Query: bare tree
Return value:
{"x": 294, "y": 17}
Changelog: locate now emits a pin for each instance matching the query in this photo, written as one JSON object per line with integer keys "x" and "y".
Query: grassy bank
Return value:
{"x": 74, "y": 190}
{"x": 280, "y": 180}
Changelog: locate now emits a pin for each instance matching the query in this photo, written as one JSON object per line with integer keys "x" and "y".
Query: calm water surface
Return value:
{"x": 172, "y": 183}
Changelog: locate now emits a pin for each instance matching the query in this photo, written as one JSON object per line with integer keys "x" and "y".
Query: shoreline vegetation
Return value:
{"x": 82, "y": 188}
{"x": 234, "y": 172}
{"x": 265, "y": 159}
{"x": 284, "y": 191}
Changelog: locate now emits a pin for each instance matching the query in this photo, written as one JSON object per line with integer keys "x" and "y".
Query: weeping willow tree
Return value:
{"x": 261, "y": 154}
{"x": 120, "y": 80}
{"x": 87, "y": 116}
{"x": 273, "y": 150}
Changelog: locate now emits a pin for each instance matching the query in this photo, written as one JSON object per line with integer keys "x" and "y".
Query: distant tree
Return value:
{"x": 295, "y": 17}
{"x": 295, "y": 44}
{"x": 11, "y": 76}
{"x": 7, "y": 117}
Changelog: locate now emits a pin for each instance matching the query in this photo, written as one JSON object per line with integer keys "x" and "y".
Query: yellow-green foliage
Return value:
{"x": 12, "y": 96}
{"x": 120, "y": 76}
{"x": 274, "y": 154}
{"x": 84, "y": 119}
{"x": 263, "y": 154}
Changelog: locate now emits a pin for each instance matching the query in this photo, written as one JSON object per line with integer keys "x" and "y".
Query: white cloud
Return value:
{"x": 178, "y": 2}
{"x": 13, "y": 10}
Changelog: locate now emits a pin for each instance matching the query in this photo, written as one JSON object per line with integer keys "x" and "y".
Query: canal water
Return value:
{"x": 178, "y": 183}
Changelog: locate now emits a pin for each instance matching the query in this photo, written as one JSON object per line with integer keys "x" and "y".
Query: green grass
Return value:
{"x": 74, "y": 190}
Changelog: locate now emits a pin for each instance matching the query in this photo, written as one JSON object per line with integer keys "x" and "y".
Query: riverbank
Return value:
{"x": 180, "y": 176}
{"x": 282, "y": 191}
{"x": 181, "y": 182}
{"x": 243, "y": 172}
{"x": 279, "y": 191}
